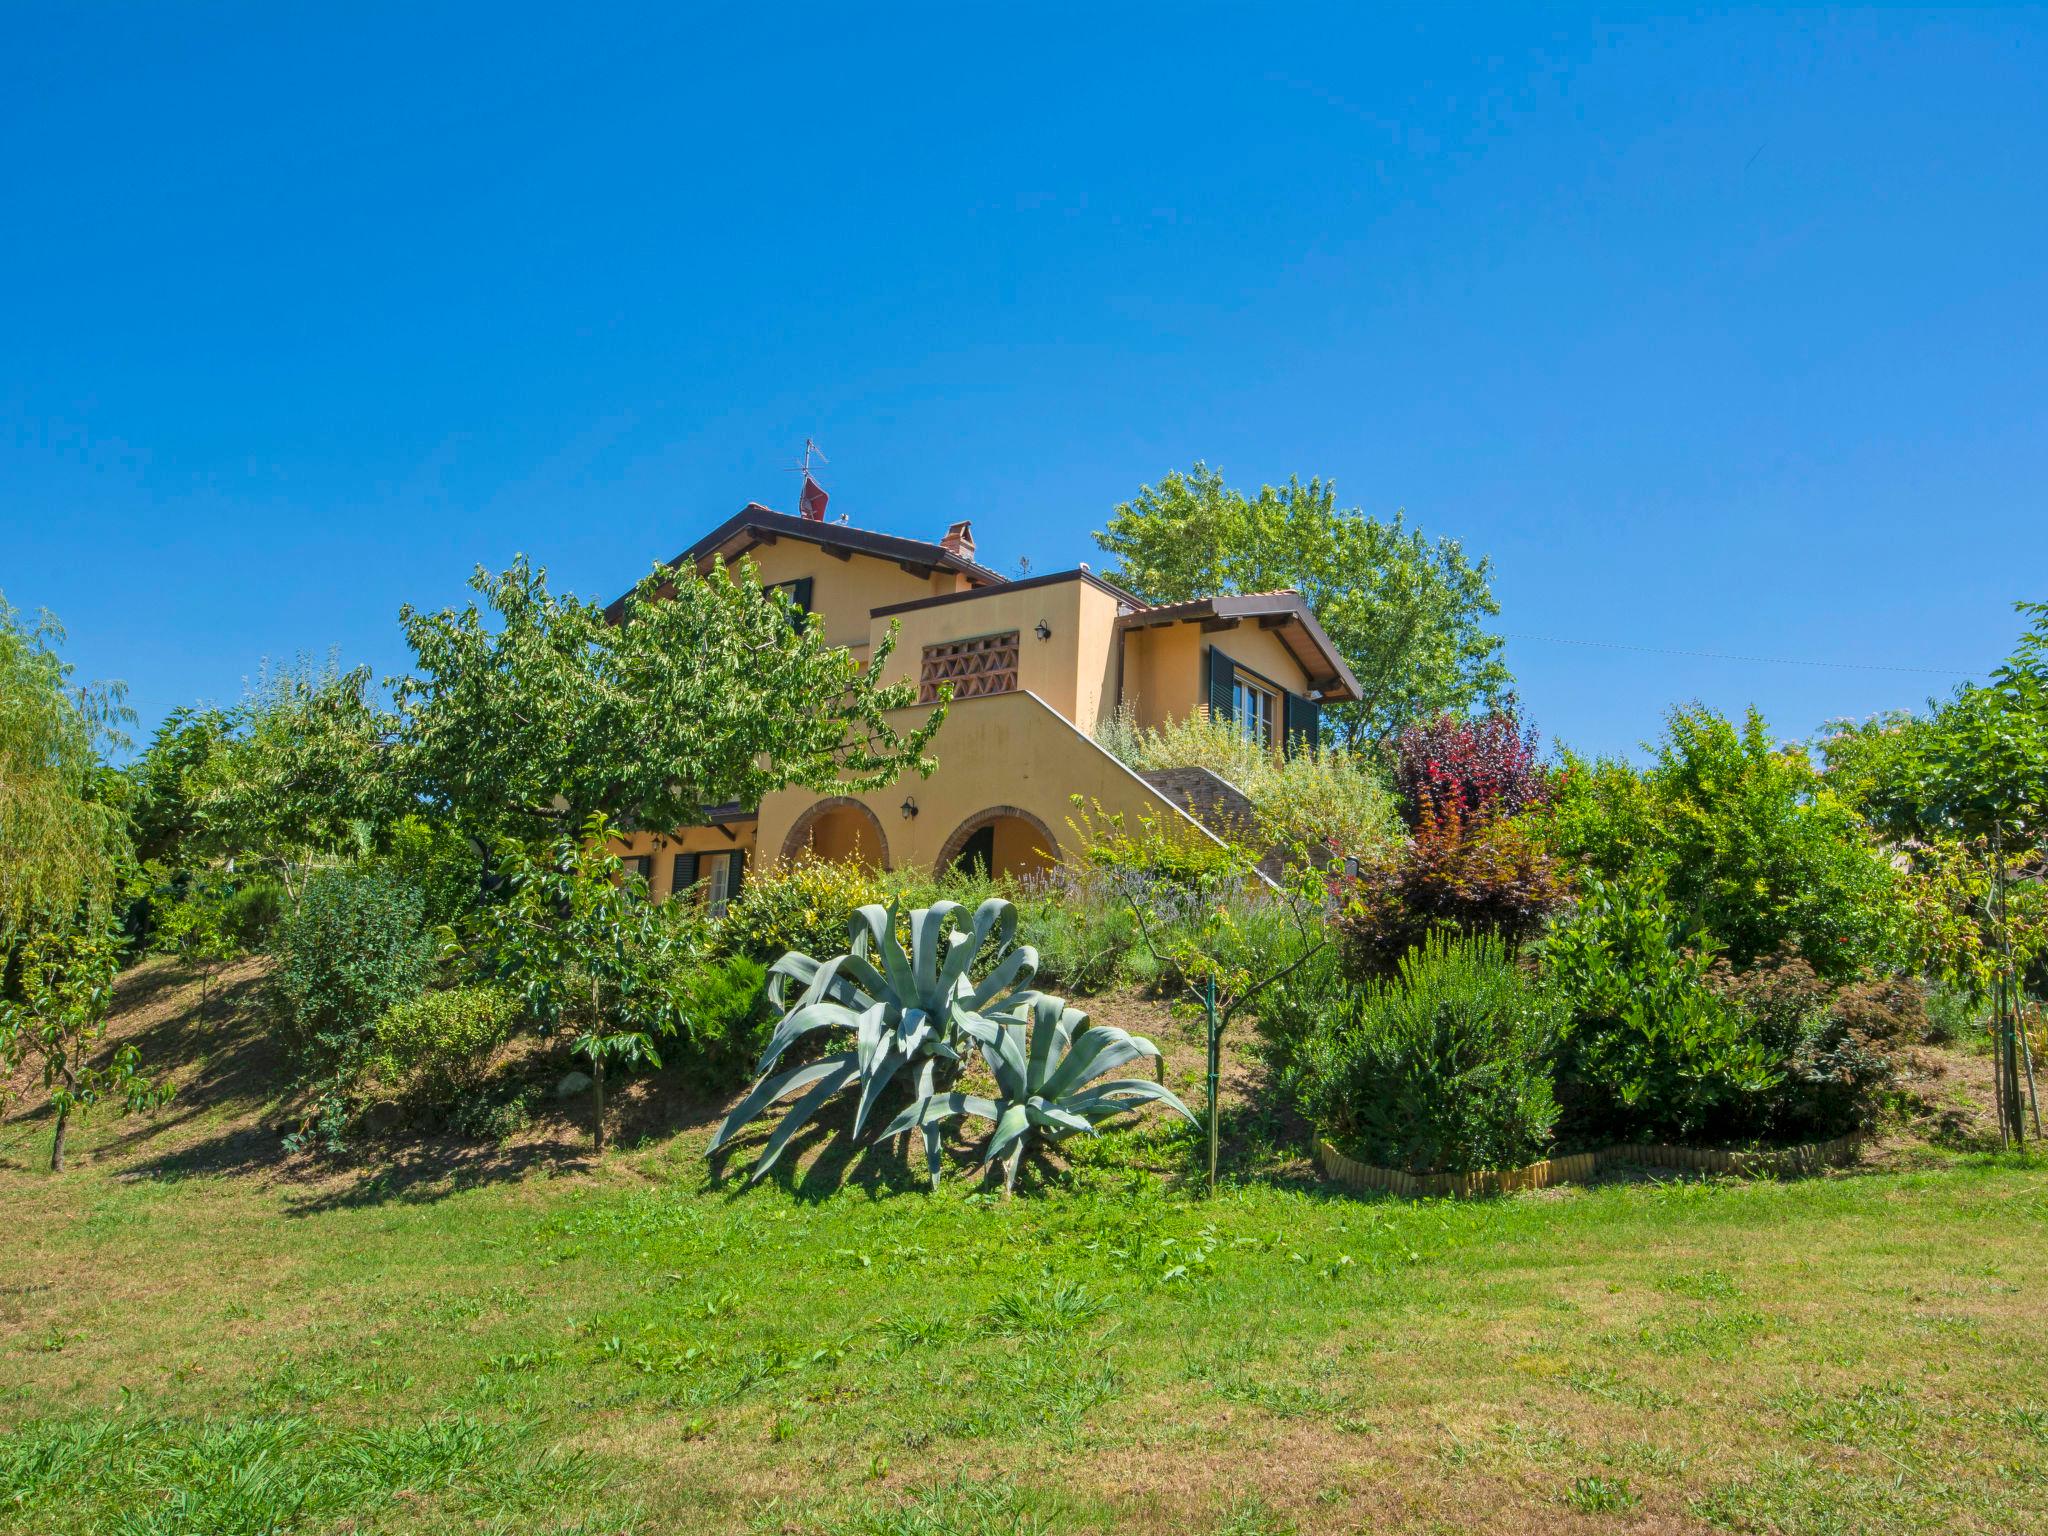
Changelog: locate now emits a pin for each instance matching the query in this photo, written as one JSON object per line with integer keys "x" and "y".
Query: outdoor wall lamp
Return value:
{"x": 910, "y": 808}
{"x": 1044, "y": 630}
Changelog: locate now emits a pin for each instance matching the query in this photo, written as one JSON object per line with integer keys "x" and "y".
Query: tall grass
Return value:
{"x": 1314, "y": 797}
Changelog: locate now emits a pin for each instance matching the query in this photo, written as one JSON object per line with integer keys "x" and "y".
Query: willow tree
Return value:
{"x": 530, "y": 711}
{"x": 61, "y": 834}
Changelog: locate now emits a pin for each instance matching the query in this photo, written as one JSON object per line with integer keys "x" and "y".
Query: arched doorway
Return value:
{"x": 841, "y": 829}
{"x": 1004, "y": 839}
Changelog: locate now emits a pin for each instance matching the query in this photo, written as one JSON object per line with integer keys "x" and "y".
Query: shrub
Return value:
{"x": 498, "y": 1113}
{"x": 445, "y": 867}
{"x": 354, "y": 950}
{"x": 1159, "y": 848}
{"x": 434, "y": 1051}
{"x": 252, "y": 910}
{"x": 1747, "y": 839}
{"x": 192, "y": 922}
{"x": 1603, "y": 816}
{"x": 1765, "y": 855}
{"x": 1482, "y": 767}
{"x": 1832, "y": 1046}
{"x": 1443, "y": 1068}
{"x": 1649, "y": 1051}
{"x": 725, "y": 1020}
{"x": 1953, "y": 1013}
{"x": 1492, "y": 876}
{"x": 1292, "y": 1009}
{"x": 802, "y": 907}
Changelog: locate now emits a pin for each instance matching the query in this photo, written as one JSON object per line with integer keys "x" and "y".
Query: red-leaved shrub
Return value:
{"x": 1485, "y": 767}
{"x": 1484, "y": 874}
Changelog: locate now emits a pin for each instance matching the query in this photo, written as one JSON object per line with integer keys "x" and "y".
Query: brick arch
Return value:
{"x": 800, "y": 833}
{"x": 973, "y": 824}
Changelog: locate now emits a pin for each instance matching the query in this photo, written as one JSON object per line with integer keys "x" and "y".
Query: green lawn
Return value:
{"x": 192, "y": 1341}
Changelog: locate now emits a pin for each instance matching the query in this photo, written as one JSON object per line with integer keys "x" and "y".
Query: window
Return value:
{"x": 1254, "y": 707}
{"x": 642, "y": 865}
{"x": 976, "y": 668}
{"x": 799, "y": 594}
{"x": 718, "y": 885}
{"x": 710, "y": 878}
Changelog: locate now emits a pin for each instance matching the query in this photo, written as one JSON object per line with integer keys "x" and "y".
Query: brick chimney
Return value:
{"x": 959, "y": 540}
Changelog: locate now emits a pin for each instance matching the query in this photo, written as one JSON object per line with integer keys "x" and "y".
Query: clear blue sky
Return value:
{"x": 1715, "y": 333}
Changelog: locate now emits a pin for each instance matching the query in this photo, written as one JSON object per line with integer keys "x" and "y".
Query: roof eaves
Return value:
{"x": 887, "y": 546}
{"x": 1338, "y": 682}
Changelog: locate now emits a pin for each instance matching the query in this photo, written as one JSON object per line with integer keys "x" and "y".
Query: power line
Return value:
{"x": 1776, "y": 661}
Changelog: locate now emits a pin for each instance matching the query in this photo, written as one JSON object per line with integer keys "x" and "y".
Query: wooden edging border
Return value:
{"x": 1580, "y": 1166}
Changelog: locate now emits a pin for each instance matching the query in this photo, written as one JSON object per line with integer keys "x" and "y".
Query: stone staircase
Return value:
{"x": 1218, "y": 805}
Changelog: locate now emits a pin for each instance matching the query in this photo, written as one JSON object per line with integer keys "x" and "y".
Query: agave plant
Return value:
{"x": 1046, "y": 1058}
{"x": 900, "y": 1005}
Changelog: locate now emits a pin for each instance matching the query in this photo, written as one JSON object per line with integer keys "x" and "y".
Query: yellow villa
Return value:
{"x": 1035, "y": 663}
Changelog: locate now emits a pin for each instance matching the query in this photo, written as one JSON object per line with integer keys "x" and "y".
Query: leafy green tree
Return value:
{"x": 1746, "y": 837}
{"x": 1977, "y": 773}
{"x": 166, "y": 820}
{"x": 1407, "y": 612}
{"x": 533, "y": 712}
{"x": 1761, "y": 851}
{"x": 589, "y": 954}
{"x": 301, "y": 778}
{"x": 62, "y": 830}
{"x": 66, "y": 979}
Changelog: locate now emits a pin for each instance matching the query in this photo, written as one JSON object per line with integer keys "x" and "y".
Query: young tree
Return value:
{"x": 1408, "y": 613}
{"x": 1217, "y": 931}
{"x": 67, "y": 985}
{"x": 590, "y": 954}
{"x": 1750, "y": 842}
{"x": 195, "y": 927}
{"x": 534, "y": 713}
{"x": 1978, "y": 773}
{"x": 62, "y": 832}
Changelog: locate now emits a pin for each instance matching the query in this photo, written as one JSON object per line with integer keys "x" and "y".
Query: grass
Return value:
{"x": 192, "y": 1342}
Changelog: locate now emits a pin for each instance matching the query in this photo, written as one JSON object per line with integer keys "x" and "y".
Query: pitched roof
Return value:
{"x": 755, "y": 524}
{"x": 1080, "y": 573}
{"x": 1287, "y": 612}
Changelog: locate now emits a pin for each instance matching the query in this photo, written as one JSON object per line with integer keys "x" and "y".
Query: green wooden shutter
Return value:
{"x": 732, "y": 879}
{"x": 1304, "y": 723}
{"x": 684, "y": 874}
{"x": 800, "y": 589}
{"x": 1222, "y": 685}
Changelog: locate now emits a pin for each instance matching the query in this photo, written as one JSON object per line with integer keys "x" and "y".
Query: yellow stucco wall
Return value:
{"x": 1166, "y": 669}
{"x": 1011, "y": 749}
{"x": 844, "y": 592}
{"x": 663, "y": 846}
{"x": 1048, "y": 668}
{"x": 1074, "y": 669}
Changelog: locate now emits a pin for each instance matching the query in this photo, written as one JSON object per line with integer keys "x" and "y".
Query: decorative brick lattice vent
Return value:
{"x": 978, "y": 667}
